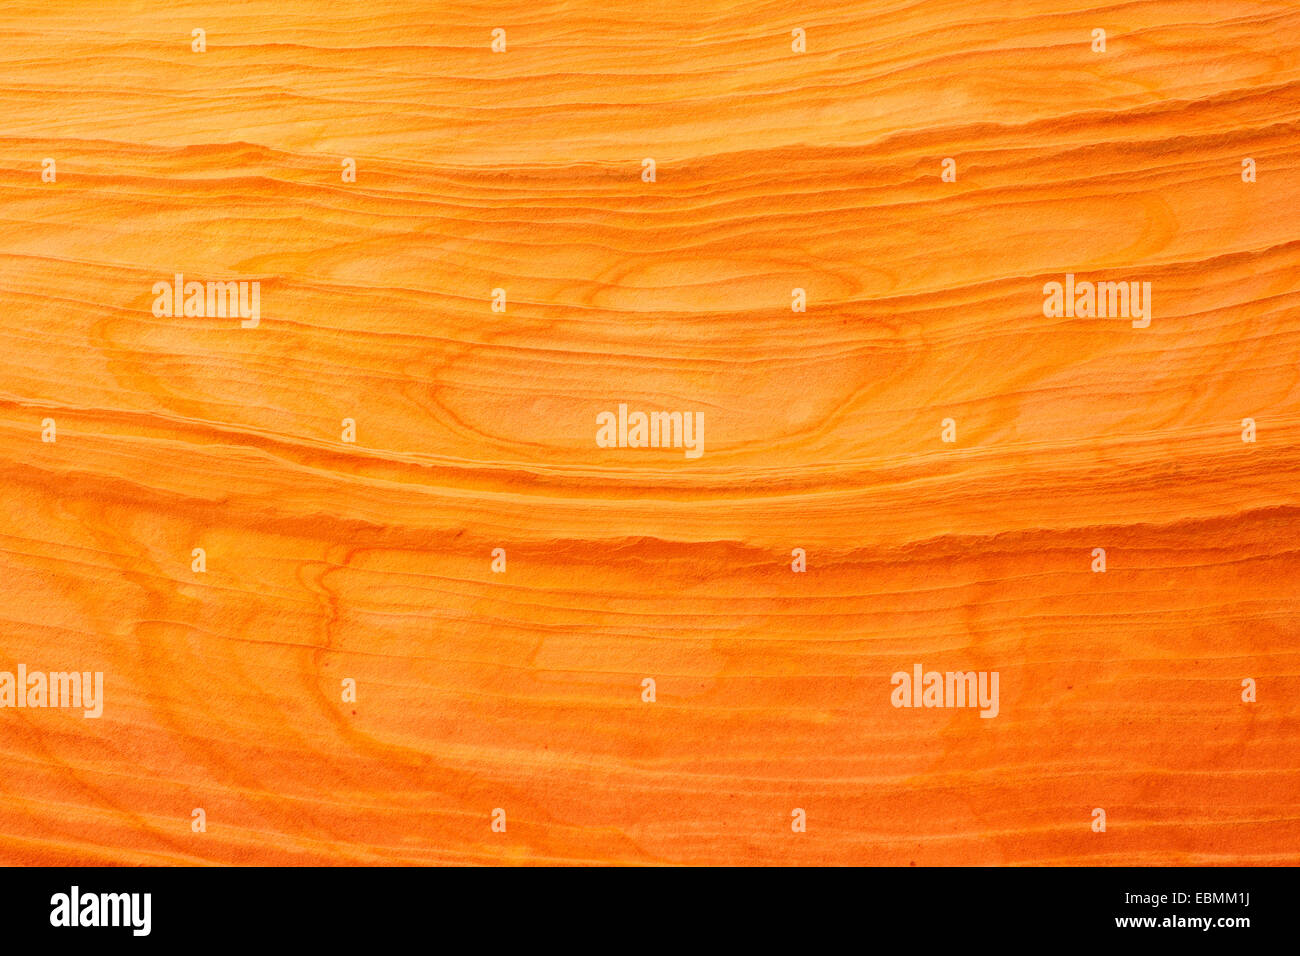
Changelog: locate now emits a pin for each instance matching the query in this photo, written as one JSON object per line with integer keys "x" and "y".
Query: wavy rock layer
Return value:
{"x": 476, "y": 430}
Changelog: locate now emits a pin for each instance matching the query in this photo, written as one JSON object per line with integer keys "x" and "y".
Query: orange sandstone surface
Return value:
{"x": 475, "y": 430}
